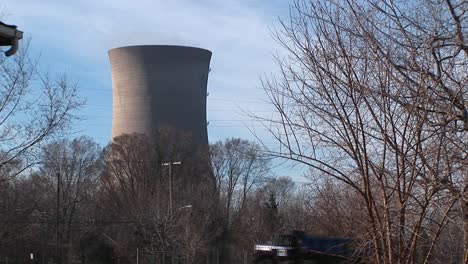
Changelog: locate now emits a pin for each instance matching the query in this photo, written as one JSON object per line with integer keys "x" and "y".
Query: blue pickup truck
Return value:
{"x": 300, "y": 248}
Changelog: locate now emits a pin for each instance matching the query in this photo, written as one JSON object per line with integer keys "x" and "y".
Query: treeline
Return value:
{"x": 85, "y": 204}
{"x": 112, "y": 205}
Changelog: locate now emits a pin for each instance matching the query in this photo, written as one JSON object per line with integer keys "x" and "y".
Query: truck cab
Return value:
{"x": 299, "y": 248}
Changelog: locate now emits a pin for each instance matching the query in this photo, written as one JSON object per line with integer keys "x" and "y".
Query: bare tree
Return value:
{"x": 425, "y": 43}
{"x": 361, "y": 99}
{"x": 74, "y": 165}
{"x": 33, "y": 107}
{"x": 238, "y": 166}
{"x": 28, "y": 207}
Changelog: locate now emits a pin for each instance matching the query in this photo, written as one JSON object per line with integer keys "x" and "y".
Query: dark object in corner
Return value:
{"x": 10, "y": 36}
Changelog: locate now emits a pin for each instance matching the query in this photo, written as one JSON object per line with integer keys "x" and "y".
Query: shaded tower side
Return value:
{"x": 157, "y": 86}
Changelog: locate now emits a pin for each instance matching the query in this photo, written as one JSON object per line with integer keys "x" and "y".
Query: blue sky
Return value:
{"x": 73, "y": 37}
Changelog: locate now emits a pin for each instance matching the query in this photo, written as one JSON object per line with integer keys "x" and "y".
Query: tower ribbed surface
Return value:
{"x": 158, "y": 86}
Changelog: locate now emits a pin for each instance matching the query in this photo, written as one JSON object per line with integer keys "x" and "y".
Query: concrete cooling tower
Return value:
{"x": 156, "y": 86}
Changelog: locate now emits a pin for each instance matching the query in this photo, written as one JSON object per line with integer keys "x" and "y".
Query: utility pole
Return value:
{"x": 57, "y": 225}
{"x": 170, "y": 182}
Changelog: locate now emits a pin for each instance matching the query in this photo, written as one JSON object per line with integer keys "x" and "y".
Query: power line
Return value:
{"x": 91, "y": 117}
{"x": 126, "y": 125}
{"x": 144, "y": 95}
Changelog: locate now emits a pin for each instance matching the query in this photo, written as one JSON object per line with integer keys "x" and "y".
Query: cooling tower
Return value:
{"x": 156, "y": 86}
